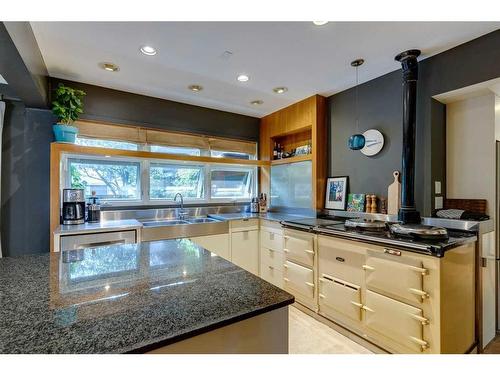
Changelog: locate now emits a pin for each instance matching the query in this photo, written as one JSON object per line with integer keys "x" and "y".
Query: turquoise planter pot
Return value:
{"x": 65, "y": 133}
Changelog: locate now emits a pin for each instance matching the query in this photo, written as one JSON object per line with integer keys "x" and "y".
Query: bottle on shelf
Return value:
{"x": 280, "y": 151}
{"x": 275, "y": 151}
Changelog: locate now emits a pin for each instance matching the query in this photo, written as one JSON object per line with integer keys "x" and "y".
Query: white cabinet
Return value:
{"x": 299, "y": 279}
{"x": 271, "y": 252}
{"x": 245, "y": 250}
{"x": 217, "y": 244}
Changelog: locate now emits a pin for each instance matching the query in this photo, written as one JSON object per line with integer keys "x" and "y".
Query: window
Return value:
{"x": 231, "y": 155}
{"x": 166, "y": 180}
{"x": 110, "y": 179}
{"x": 175, "y": 150}
{"x": 231, "y": 183}
{"x": 120, "y": 145}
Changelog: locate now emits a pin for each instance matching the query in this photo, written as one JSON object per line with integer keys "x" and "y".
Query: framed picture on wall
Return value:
{"x": 336, "y": 193}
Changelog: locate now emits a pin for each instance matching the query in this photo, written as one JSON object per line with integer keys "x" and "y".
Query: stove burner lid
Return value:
{"x": 419, "y": 231}
{"x": 365, "y": 224}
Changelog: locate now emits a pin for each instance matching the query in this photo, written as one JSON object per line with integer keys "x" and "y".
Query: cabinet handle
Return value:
{"x": 285, "y": 279}
{"x": 366, "y": 308}
{"x": 309, "y": 284}
{"x": 286, "y": 250}
{"x": 357, "y": 304}
{"x": 321, "y": 295}
{"x": 309, "y": 252}
{"x": 423, "y": 344}
{"x": 421, "y": 319}
{"x": 285, "y": 266}
{"x": 423, "y": 271}
{"x": 271, "y": 250}
{"x": 368, "y": 268}
{"x": 419, "y": 292}
{"x": 271, "y": 267}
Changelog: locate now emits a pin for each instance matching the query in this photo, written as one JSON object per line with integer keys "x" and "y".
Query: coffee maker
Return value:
{"x": 73, "y": 207}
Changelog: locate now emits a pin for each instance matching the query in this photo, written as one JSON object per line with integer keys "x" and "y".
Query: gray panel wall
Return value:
{"x": 381, "y": 107}
{"x": 125, "y": 108}
{"x": 25, "y": 180}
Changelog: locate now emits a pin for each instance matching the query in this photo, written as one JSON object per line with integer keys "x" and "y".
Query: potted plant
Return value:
{"x": 67, "y": 106}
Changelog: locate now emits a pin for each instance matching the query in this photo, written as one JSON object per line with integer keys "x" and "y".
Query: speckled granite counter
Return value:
{"x": 124, "y": 298}
{"x": 273, "y": 216}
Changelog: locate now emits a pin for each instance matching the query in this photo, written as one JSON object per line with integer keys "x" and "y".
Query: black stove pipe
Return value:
{"x": 408, "y": 213}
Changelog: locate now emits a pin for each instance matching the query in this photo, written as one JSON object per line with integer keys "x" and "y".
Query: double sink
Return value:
{"x": 182, "y": 228}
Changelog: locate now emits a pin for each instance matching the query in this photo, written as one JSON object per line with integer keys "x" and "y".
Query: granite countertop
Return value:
{"x": 102, "y": 226}
{"x": 273, "y": 216}
{"x": 124, "y": 298}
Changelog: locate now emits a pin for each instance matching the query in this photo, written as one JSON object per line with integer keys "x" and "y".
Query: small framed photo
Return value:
{"x": 336, "y": 193}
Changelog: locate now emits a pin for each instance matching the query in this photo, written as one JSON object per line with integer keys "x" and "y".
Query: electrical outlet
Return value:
{"x": 438, "y": 203}
{"x": 437, "y": 187}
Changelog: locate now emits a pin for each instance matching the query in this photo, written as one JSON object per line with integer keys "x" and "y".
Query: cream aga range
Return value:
{"x": 401, "y": 293}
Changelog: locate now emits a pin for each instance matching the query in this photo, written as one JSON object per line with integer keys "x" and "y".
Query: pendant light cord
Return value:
{"x": 357, "y": 109}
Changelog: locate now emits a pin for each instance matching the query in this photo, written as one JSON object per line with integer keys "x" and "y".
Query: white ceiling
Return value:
{"x": 307, "y": 59}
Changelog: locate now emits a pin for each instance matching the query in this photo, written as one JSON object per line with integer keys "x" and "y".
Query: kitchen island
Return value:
{"x": 163, "y": 296}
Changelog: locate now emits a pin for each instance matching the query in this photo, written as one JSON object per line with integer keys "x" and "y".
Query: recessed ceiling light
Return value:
{"x": 110, "y": 67}
{"x": 257, "y": 102}
{"x": 148, "y": 50}
{"x": 243, "y": 78}
{"x": 320, "y": 23}
{"x": 280, "y": 90}
{"x": 195, "y": 88}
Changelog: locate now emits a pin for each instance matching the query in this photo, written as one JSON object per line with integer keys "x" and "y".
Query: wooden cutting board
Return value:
{"x": 394, "y": 195}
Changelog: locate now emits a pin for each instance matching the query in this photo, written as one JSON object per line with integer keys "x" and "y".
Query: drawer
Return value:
{"x": 401, "y": 278}
{"x": 299, "y": 247}
{"x": 272, "y": 258}
{"x": 298, "y": 278}
{"x": 341, "y": 259}
{"x": 271, "y": 274}
{"x": 271, "y": 225}
{"x": 245, "y": 250}
{"x": 396, "y": 321}
{"x": 271, "y": 240}
{"x": 81, "y": 241}
{"x": 244, "y": 224}
{"x": 340, "y": 296}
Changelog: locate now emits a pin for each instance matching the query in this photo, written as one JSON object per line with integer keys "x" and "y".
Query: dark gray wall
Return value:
{"x": 104, "y": 104}
{"x": 381, "y": 108}
{"x": 25, "y": 179}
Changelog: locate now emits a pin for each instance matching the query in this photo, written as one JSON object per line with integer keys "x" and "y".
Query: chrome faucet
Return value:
{"x": 182, "y": 214}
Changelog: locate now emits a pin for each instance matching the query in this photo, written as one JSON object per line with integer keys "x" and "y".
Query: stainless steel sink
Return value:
{"x": 200, "y": 220}
{"x": 160, "y": 223}
{"x": 174, "y": 228}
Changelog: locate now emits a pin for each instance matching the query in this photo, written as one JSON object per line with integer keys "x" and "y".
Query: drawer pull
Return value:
{"x": 368, "y": 268}
{"x": 285, "y": 266}
{"x": 423, "y": 344}
{"x": 285, "y": 279}
{"x": 366, "y": 308}
{"x": 357, "y": 304}
{"x": 309, "y": 252}
{"x": 271, "y": 267}
{"x": 309, "y": 284}
{"x": 423, "y": 271}
{"x": 321, "y": 296}
{"x": 419, "y": 292}
{"x": 271, "y": 250}
{"x": 421, "y": 319}
{"x": 286, "y": 250}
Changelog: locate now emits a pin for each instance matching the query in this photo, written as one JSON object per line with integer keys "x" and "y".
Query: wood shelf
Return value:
{"x": 293, "y": 159}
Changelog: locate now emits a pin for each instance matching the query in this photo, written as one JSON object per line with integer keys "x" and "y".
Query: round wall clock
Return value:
{"x": 374, "y": 142}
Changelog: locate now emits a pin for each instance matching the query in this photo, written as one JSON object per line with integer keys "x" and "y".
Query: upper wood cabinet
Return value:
{"x": 299, "y": 124}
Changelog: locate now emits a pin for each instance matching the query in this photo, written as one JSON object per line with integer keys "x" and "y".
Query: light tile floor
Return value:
{"x": 309, "y": 336}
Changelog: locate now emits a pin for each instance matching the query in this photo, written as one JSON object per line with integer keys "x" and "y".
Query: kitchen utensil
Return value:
{"x": 394, "y": 195}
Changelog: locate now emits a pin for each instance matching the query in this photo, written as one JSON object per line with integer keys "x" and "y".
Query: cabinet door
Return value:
{"x": 217, "y": 244}
{"x": 271, "y": 240}
{"x": 271, "y": 274}
{"x": 272, "y": 258}
{"x": 298, "y": 278}
{"x": 401, "y": 278}
{"x": 245, "y": 250}
{"x": 395, "y": 321}
{"x": 299, "y": 247}
{"x": 340, "y": 296}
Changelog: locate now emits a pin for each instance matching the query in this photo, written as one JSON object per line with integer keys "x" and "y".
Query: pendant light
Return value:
{"x": 357, "y": 140}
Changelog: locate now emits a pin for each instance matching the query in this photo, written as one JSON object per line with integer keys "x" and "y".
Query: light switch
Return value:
{"x": 437, "y": 187}
{"x": 438, "y": 203}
